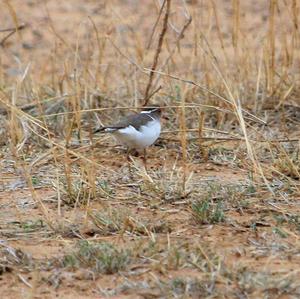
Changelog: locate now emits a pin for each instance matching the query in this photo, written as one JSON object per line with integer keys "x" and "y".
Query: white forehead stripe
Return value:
{"x": 149, "y": 111}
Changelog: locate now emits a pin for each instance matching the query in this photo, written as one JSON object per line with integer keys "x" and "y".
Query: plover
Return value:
{"x": 137, "y": 131}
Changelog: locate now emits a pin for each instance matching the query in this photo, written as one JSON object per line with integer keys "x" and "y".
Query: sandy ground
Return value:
{"x": 253, "y": 254}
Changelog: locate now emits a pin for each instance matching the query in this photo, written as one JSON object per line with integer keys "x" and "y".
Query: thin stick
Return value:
{"x": 12, "y": 31}
{"x": 180, "y": 36}
{"x": 273, "y": 4}
{"x": 155, "y": 25}
{"x": 202, "y": 149}
{"x": 158, "y": 50}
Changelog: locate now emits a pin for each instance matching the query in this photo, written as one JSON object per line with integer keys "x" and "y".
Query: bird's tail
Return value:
{"x": 105, "y": 130}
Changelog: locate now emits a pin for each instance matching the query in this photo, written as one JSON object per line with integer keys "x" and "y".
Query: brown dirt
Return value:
{"x": 250, "y": 241}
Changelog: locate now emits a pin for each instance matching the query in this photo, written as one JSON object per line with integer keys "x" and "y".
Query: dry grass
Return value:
{"x": 215, "y": 214}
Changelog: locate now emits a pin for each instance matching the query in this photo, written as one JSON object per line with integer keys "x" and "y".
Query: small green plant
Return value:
{"x": 30, "y": 225}
{"x": 70, "y": 261}
{"x": 104, "y": 185}
{"x": 208, "y": 212}
{"x": 187, "y": 287}
{"x": 221, "y": 155}
{"x": 76, "y": 193}
{"x": 295, "y": 220}
{"x": 102, "y": 257}
{"x": 280, "y": 232}
{"x": 292, "y": 219}
{"x": 109, "y": 221}
{"x": 175, "y": 258}
{"x": 178, "y": 285}
{"x": 35, "y": 181}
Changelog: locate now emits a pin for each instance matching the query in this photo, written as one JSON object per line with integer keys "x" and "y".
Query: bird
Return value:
{"x": 137, "y": 131}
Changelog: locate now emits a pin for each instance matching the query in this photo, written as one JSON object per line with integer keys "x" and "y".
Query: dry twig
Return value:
{"x": 158, "y": 50}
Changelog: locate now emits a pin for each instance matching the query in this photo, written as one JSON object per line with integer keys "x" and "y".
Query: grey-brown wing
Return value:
{"x": 135, "y": 120}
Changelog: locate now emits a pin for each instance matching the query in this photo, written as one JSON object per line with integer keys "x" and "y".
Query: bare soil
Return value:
{"x": 253, "y": 252}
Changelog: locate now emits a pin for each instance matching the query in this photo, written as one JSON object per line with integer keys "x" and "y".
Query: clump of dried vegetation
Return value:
{"x": 216, "y": 211}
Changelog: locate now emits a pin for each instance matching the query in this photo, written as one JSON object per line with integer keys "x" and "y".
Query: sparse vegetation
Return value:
{"x": 208, "y": 212}
{"x": 214, "y": 211}
{"x": 103, "y": 257}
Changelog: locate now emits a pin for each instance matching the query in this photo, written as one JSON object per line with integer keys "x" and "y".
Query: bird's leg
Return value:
{"x": 128, "y": 154}
{"x": 145, "y": 159}
{"x": 135, "y": 153}
{"x": 129, "y": 162}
